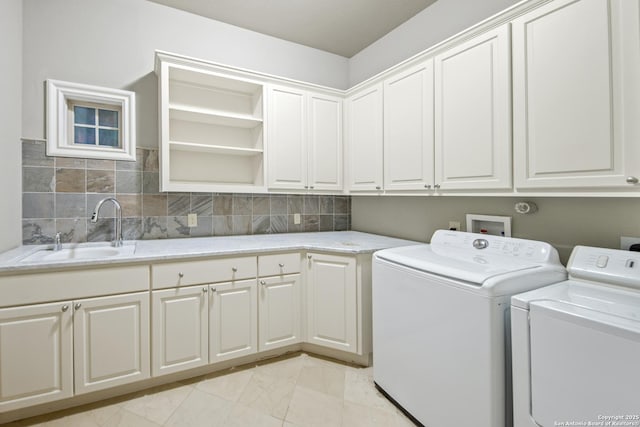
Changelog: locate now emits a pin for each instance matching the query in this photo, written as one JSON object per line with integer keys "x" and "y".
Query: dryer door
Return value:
{"x": 585, "y": 365}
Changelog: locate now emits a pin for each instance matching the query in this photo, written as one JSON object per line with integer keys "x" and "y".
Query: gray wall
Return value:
{"x": 10, "y": 117}
{"x": 111, "y": 43}
{"x": 564, "y": 222}
{"x": 436, "y": 23}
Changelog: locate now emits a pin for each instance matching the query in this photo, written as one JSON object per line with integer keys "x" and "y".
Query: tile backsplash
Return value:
{"x": 59, "y": 195}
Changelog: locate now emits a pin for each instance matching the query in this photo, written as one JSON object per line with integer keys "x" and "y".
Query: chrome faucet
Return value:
{"x": 57, "y": 243}
{"x": 117, "y": 241}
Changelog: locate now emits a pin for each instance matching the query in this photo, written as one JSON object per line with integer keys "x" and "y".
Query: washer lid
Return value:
{"x": 460, "y": 264}
{"x": 585, "y": 300}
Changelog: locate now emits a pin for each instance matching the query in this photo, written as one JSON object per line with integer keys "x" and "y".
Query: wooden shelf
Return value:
{"x": 214, "y": 149}
{"x": 202, "y": 115}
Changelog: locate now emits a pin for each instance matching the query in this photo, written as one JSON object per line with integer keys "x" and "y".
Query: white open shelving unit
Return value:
{"x": 211, "y": 128}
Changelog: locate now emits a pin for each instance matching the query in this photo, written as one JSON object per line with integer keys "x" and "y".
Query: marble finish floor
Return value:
{"x": 291, "y": 391}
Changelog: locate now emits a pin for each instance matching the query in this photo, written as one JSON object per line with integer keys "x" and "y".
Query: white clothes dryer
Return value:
{"x": 441, "y": 323}
{"x": 576, "y": 345}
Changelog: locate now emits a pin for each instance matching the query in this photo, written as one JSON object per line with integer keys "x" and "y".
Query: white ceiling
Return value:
{"x": 343, "y": 27}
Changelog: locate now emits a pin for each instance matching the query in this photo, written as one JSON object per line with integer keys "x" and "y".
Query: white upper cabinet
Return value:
{"x": 408, "y": 129}
{"x": 473, "y": 114}
{"x": 325, "y": 163}
{"x": 305, "y": 140}
{"x": 364, "y": 136}
{"x": 211, "y": 128}
{"x": 287, "y": 128}
{"x": 576, "y": 95}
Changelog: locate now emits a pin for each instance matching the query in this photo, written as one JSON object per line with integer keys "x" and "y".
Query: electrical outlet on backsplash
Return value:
{"x": 59, "y": 195}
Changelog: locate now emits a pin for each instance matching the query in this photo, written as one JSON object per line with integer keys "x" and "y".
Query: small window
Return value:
{"x": 94, "y": 124}
{"x": 90, "y": 121}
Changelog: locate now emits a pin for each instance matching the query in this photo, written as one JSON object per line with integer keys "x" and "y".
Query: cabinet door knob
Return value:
{"x": 234, "y": 269}
{"x": 281, "y": 265}
{"x": 378, "y": 187}
{"x": 311, "y": 187}
{"x": 306, "y": 187}
{"x": 181, "y": 274}
{"x": 427, "y": 186}
{"x": 632, "y": 180}
{"x": 262, "y": 282}
{"x": 204, "y": 289}
{"x": 213, "y": 289}
{"x": 436, "y": 186}
{"x": 309, "y": 256}
{"x": 77, "y": 306}
{"x": 65, "y": 307}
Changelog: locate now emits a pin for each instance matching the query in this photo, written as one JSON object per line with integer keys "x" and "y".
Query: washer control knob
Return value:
{"x": 602, "y": 261}
{"x": 480, "y": 243}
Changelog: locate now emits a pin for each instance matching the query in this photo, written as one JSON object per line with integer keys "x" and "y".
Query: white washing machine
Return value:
{"x": 441, "y": 319}
{"x": 576, "y": 345}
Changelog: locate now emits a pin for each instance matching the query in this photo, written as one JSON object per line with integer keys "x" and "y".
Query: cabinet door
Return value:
{"x": 473, "y": 114}
{"x": 577, "y": 94}
{"x": 36, "y": 363}
{"x": 233, "y": 323}
{"x": 364, "y": 139}
{"x": 111, "y": 341}
{"x": 408, "y": 129}
{"x": 325, "y": 142}
{"x": 180, "y": 329}
{"x": 286, "y": 150}
{"x": 279, "y": 313}
{"x": 332, "y": 301}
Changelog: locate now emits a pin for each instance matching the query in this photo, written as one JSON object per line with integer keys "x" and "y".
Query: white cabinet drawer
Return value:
{"x": 206, "y": 271}
{"x": 34, "y": 288}
{"x": 277, "y": 264}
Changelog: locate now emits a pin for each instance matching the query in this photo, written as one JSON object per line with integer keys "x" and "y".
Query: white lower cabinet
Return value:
{"x": 52, "y": 351}
{"x": 332, "y": 307}
{"x": 111, "y": 341}
{"x": 233, "y": 324}
{"x": 279, "y": 311}
{"x": 279, "y": 300}
{"x": 36, "y": 347}
{"x": 180, "y": 329}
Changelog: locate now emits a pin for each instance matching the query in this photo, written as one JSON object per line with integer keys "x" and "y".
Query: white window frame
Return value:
{"x": 60, "y": 141}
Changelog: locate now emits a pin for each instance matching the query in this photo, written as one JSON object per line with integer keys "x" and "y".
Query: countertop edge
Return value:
{"x": 152, "y": 251}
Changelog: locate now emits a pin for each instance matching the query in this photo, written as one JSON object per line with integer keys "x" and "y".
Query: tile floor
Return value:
{"x": 291, "y": 391}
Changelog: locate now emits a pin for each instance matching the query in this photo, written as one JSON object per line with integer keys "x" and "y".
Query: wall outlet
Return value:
{"x": 192, "y": 220}
{"x": 296, "y": 218}
{"x": 625, "y": 242}
{"x": 454, "y": 225}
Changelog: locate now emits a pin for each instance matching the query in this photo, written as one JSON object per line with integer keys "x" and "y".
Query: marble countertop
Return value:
{"x": 22, "y": 259}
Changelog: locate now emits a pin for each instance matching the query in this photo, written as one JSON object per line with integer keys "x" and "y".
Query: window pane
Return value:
{"x": 82, "y": 135}
{"x": 108, "y": 118}
{"x": 109, "y": 137}
{"x": 84, "y": 115}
